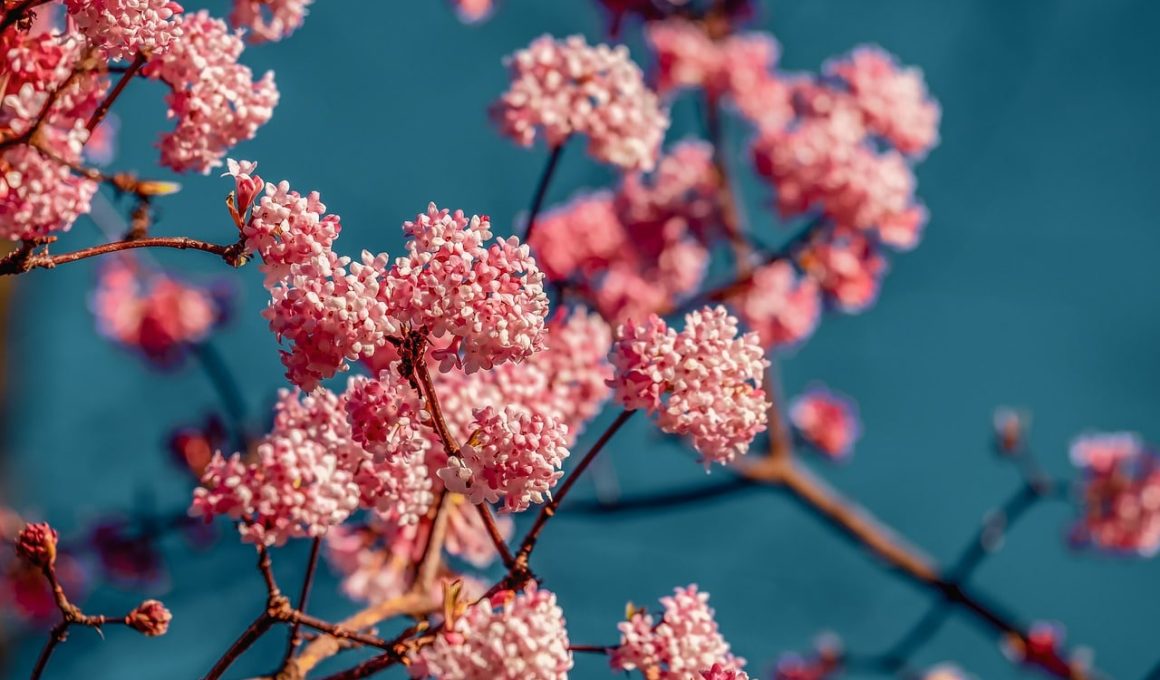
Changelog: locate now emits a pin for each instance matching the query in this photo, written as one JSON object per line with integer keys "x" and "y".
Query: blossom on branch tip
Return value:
{"x": 150, "y": 618}
{"x": 893, "y": 99}
{"x": 783, "y": 307}
{"x": 488, "y": 301}
{"x": 512, "y": 636}
{"x": 826, "y": 420}
{"x": 284, "y": 228}
{"x": 566, "y": 87}
{"x": 512, "y": 456}
{"x": 216, "y": 101}
{"x": 120, "y": 29}
{"x": 269, "y": 20}
{"x": 703, "y": 383}
{"x": 36, "y": 544}
{"x": 680, "y": 646}
{"x": 1119, "y": 499}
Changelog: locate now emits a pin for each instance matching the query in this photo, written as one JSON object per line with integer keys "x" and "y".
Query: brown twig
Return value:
{"x": 24, "y": 259}
{"x": 549, "y": 508}
{"x": 102, "y": 109}
{"x": 70, "y": 615}
{"x": 303, "y": 597}
{"x": 496, "y": 537}
{"x": 541, "y": 191}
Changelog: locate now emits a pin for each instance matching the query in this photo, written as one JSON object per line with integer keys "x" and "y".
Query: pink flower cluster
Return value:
{"x": 39, "y": 193}
{"x": 490, "y": 301}
{"x": 1120, "y": 493}
{"x": 893, "y": 100}
{"x": 269, "y": 20}
{"x": 473, "y": 11}
{"x": 562, "y": 88}
{"x": 827, "y": 421}
{"x": 300, "y": 481}
{"x": 848, "y": 266}
{"x": 703, "y": 383}
{"x": 682, "y": 645}
{"x": 780, "y": 305}
{"x": 151, "y": 312}
{"x": 121, "y": 29}
{"x": 511, "y": 456}
{"x": 510, "y": 637}
{"x": 636, "y": 251}
{"x": 216, "y": 101}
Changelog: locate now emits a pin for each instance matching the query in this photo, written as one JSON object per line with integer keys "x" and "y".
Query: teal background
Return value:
{"x": 1035, "y": 286}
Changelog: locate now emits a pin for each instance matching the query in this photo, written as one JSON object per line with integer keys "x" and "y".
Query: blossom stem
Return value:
{"x": 591, "y": 649}
{"x": 542, "y": 187}
{"x": 303, "y": 597}
{"x": 107, "y": 103}
{"x": 549, "y": 508}
{"x": 780, "y": 437}
{"x": 57, "y": 635}
{"x": 23, "y": 259}
{"x": 496, "y": 537}
{"x": 248, "y": 637}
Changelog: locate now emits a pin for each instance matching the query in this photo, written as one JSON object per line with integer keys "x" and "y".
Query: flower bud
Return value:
{"x": 37, "y": 544}
{"x": 150, "y": 618}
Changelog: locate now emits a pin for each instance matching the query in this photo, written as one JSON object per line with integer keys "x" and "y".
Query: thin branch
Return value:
{"x": 549, "y": 508}
{"x": 248, "y": 637}
{"x": 303, "y": 598}
{"x": 18, "y": 12}
{"x": 496, "y": 537}
{"x": 229, "y": 391}
{"x": 541, "y": 191}
{"x": 24, "y": 259}
{"x": 107, "y": 103}
{"x": 57, "y": 635}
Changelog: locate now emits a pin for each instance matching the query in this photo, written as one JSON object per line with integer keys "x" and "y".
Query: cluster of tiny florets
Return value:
{"x": 150, "y": 618}
{"x": 269, "y": 20}
{"x": 285, "y": 228}
{"x": 215, "y": 100}
{"x": 121, "y": 29}
{"x": 683, "y": 644}
{"x": 826, "y": 421}
{"x": 702, "y": 382}
{"x": 509, "y": 637}
{"x": 512, "y": 456}
{"x": 151, "y": 312}
{"x": 1119, "y": 494}
{"x": 566, "y": 87}
{"x": 782, "y": 306}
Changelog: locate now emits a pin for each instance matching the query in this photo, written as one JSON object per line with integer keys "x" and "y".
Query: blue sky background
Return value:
{"x": 1034, "y": 287}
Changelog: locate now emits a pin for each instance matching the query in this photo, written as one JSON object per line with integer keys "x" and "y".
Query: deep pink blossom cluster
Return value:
{"x": 562, "y": 88}
{"x": 269, "y": 20}
{"x": 39, "y": 192}
{"x": 150, "y": 311}
{"x": 681, "y": 645}
{"x": 827, "y": 421}
{"x": 215, "y": 100}
{"x": 121, "y": 29}
{"x": 703, "y": 382}
{"x": 644, "y": 246}
{"x": 1120, "y": 493}
{"x": 720, "y": 672}
{"x": 512, "y": 636}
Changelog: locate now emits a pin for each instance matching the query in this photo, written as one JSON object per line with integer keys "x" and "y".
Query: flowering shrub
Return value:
{"x": 480, "y": 356}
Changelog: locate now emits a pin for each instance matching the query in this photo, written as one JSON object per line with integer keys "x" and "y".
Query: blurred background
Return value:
{"x": 1031, "y": 288}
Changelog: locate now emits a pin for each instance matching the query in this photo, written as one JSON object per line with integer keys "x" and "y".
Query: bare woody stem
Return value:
{"x": 17, "y": 13}
{"x": 542, "y": 185}
{"x": 549, "y": 508}
{"x": 107, "y": 103}
{"x": 496, "y": 537}
{"x": 248, "y": 637}
{"x": 303, "y": 597}
{"x": 70, "y": 615}
{"x": 24, "y": 259}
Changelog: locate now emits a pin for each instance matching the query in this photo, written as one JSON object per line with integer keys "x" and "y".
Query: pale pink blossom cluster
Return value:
{"x": 782, "y": 306}
{"x": 121, "y": 29}
{"x": 215, "y": 100}
{"x": 39, "y": 192}
{"x": 827, "y": 421}
{"x": 638, "y": 250}
{"x": 893, "y": 99}
{"x": 512, "y": 456}
{"x": 682, "y": 645}
{"x": 1119, "y": 495}
{"x": 284, "y": 228}
{"x": 562, "y": 88}
{"x": 269, "y": 20}
{"x": 150, "y": 311}
{"x": 848, "y": 266}
{"x": 509, "y": 637}
{"x": 703, "y": 382}
{"x": 488, "y": 300}
{"x": 565, "y": 383}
